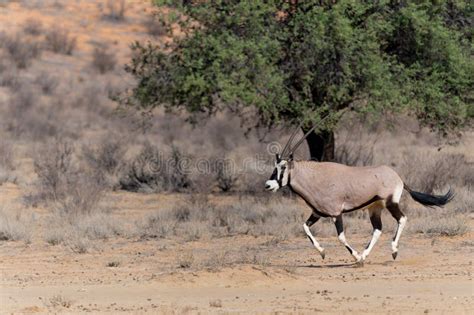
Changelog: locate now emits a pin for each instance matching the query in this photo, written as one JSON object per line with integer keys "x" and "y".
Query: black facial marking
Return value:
{"x": 274, "y": 174}
{"x": 280, "y": 181}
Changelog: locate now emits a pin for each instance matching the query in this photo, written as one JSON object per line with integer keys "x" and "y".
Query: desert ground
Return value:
{"x": 235, "y": 274}
{"x": 92, "y": 222}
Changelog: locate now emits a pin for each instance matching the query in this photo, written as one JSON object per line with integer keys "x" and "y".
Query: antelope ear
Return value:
{"x": 278, "y": 158}
{"x": 290, "y": 158}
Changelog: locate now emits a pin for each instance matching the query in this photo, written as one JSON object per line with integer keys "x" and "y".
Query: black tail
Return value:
{"x": 430, "y": 200}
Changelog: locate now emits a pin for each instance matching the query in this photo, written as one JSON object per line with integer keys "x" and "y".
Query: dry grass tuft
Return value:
{"x": 60, "y": 41}
{"x": 33, "y": 27}
{"x": 113, "y": 264}
{"x": 62, "y": 184}
{"x": 185, "y": 260}
{"x": 215, "y": 303}
{"x": 195, "y": 217}
{"x": 430, "y": 172}
{"x": 80, "y": 231}
{"x": 441, "y": 225}
{"x": 103, "y": 60}
{"x": 21, "y": 50}
{"x": 7, "y": 165}
{"x": 15, "y": 226}
{"x": 115, "y": 10}
{"x": 154, "y": 171}
{"x": 54, "y": 167}
{"x": 226, "y": 175}
{"x": 106, "y": 159}
{"x": 355, "y": 146}
{"x": 47, "y": 82}
{"x": 9, "y": 77}
{"x": 60, "y": 301}
{"x": 26, "y": 118}
{"x": 79, "y": 244}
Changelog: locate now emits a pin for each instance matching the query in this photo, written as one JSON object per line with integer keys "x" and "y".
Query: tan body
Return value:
{"x": 332, "y": 188}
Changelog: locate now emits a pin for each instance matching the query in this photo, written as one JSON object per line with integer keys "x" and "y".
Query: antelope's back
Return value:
{"x": 348, "y": 186}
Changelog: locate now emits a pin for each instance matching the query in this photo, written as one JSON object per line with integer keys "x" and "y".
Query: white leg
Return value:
{"x": 375, "y": 237}
{"x": 401, "y": 226}
{"x": 375, "y": 212}
{"x": 342, "y": 239}
{"x": 313, "y": 240}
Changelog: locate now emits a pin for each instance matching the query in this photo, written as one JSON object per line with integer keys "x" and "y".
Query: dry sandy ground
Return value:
{"x": 238, "y": 274}
{"x": 430, "y": 278}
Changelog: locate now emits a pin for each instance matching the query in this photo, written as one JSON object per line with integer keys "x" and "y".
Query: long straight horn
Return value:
{"x": 305, "y": 136}
{"x": 291, "y": 138}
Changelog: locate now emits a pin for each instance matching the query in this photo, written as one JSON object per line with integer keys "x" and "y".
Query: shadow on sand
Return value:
{"x": 320, "y": 266}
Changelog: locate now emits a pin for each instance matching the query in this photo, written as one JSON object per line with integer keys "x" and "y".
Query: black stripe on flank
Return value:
{"x": 365, "y": 204}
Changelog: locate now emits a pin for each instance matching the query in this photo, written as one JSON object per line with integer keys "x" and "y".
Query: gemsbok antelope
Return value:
{"x": 332, "y": 189}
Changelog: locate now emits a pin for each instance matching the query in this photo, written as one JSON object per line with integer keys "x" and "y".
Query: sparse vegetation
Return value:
{"x": 60, "y": 301}
{"x": 153, "y": 170}
{"x": 81, "y": 233}
{"x": 115, "y": 10}
{"x": 112, "y": 264}
{"x": 196, "y": 216}
{"x": 103, "y": 59}
{"x": 54, "y": 167}
{"x": 60, "y": 41}
{"x": 21, "y": 50}
{"x": 215, "y": 303}
{"x": 431, "y": 172}
{"x": 106, "y": 159}
{"x": 354, "y": 146}
{"x": 7, "y": 165}
{"x": 185, "y": 260}
{"x": 226, "y": 175}
{"x": 445, "y": 225}
{"x": 47, "y": 82}
{"x": 62, "y": 185}
{"x": 33, "y": 27}
{"x": 9, "y": 77}
{"x": 15, "y": 226}
{"x": 6, "y": 155}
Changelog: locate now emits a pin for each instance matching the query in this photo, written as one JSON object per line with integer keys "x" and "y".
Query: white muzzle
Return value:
{"x": 271, "y": 185}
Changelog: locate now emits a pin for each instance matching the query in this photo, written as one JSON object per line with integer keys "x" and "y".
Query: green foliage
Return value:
{"x": 280, "y": 61}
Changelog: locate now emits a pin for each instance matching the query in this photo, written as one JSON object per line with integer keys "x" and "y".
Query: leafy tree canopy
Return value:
{"x": 287, "y": 61}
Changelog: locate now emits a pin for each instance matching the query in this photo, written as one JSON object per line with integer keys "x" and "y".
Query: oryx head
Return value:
{"x": 281, "y": 174}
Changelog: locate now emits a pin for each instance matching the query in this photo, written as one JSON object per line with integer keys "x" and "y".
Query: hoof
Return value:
{"x": 323, "y": 254}
{"x": 394, "y": 255}
{"x": 357, "y": 257}
{"x": 364, "y": 256}
{"x": 360, "y": 263}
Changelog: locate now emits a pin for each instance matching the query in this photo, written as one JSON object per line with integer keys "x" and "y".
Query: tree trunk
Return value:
{"x": 321, "y": 146}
